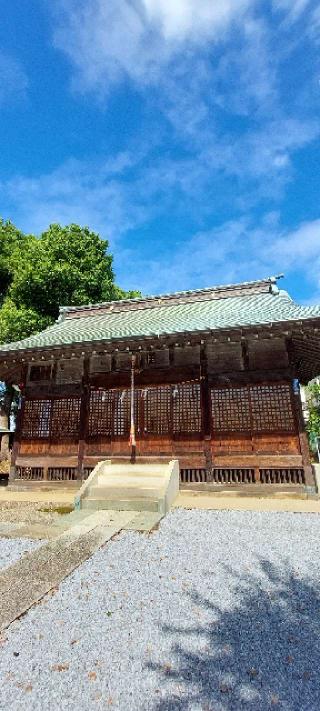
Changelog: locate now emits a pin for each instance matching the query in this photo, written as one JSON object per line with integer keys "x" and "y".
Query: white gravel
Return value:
{"x": 12, "y": 549}
{"x": 216, "y": 611}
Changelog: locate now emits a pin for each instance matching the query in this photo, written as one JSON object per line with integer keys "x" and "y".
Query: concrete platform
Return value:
{"x": 217, "y": 502}
{"x": 56, "y": 496}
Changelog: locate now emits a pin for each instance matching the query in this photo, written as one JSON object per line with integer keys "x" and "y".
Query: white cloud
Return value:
{"x": 101, "y": 197}
{"x": 137, "y": 38}
{"x": 74, "y": 192}
{"x": 232, "y": 252}
{"x": 195, "y": 19}
{"x": 13, "y": 79}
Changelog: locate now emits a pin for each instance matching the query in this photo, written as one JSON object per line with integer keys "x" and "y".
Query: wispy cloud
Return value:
{"x": 137, "y": 38}
{"x": 215, "y": 78}
{"x": 234, "y": 251}
{"x": 212, "y": 75}
{"x": 75, "y": 192}
{"x": 241, "y": 248}
{"x": 13, "y": 79}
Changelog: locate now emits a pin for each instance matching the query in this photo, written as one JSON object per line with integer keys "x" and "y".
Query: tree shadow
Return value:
{"x": 263, "y": 653}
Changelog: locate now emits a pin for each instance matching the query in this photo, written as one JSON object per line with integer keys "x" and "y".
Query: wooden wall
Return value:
{"x": 218, "y": 406}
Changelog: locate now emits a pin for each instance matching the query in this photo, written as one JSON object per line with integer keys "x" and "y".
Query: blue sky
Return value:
{"x": 185, "y": 131}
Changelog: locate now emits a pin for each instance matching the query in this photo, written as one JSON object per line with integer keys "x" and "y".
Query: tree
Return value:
{"x": 11, "y": 239}
{"x": 19, "y": 322}
{"x": 313, "y": 424}
{"x": 68, "y": 265}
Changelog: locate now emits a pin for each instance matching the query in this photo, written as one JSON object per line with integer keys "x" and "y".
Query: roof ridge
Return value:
{"x": 271, "y": 281}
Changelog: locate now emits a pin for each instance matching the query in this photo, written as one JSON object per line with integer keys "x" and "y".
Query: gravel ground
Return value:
{"x": 12, "y": 550}
{"x": 218, "y": 611}
{"x": 15, "y": 511}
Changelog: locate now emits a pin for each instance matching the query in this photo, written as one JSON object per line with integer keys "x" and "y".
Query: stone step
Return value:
{"x": 126, "y": 492}
{"x": 118, "y": 504}
{"x": 131, "y": 481}
{"x": 135, "y": 473}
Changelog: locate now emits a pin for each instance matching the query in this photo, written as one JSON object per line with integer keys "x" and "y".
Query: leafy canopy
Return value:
{"x": 11, "y": 239}
{"x": 65, "y": 266}
{"x": 313, "y": 424}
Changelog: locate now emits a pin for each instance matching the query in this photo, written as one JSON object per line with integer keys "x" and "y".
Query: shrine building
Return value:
{"x": 209, "y": 377}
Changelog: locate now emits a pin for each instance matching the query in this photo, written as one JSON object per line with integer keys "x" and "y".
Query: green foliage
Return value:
{"x": 121, "y": 294}
{"x": 11, "y": 240}
{"x": 313, "y": 424}
{"x": 18, "y": 322}
{"x": 67, "y": 265}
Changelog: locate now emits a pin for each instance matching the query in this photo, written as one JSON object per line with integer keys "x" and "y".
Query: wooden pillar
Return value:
{"x": 206, "y": 411}
{"x": 19, "y": 422}
{"x": 84, "y": 412}
{"x": 16, "y": 441}
{"x": 303, "y": 440}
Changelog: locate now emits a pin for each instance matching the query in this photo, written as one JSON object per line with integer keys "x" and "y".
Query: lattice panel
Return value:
{"x": 186, "y": 414}
{"x": 193, "y": 476}
{"x": 30, "y": 473}
{"x": 157, "y": 410}
{"x": 282, "y": 476}
{"x": 221, "y": 475}
{"x": 101, "y": 409}
{"x": 122, "y": 412}
{"x": 271, "y": 408}
{"x": 62, "y": 474}
{"x": 252, "y": 408}
{"x": 230, "y": 409}
{"x": 36, "y": 419}
{"x": 65, "y": 420}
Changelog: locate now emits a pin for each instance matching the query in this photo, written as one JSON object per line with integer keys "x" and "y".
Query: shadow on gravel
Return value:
{"x": 264, "y": 653}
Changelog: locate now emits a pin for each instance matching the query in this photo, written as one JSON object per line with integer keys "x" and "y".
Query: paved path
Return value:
{"x": 36, "y": 573}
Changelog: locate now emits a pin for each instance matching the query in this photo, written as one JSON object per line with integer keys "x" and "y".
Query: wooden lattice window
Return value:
{"x": 122, "y": 411}
{"x": 156, "y": 403}
{"x": 65, "y": 419}
{"x": 230, "y": 409}
{"x": 101, "y": 410}
{"x": 186, "y": 408}
{"x": 252, "y": 408}
{"x": 36, "y": 419}
{"x": 271, "y": 408}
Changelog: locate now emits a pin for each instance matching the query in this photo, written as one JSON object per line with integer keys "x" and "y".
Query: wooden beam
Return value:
{"x": 84, "y": 415}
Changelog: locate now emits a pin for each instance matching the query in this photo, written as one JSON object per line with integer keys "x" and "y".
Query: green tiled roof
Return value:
{"x": 170, "y": 318}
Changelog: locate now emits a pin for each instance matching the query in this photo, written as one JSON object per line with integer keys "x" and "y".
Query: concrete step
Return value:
{"x": 134, "y": 473}
{"x": 118, "y": 504}
{"x": 126, "y": 491}
{"x": 143, "y": 480}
